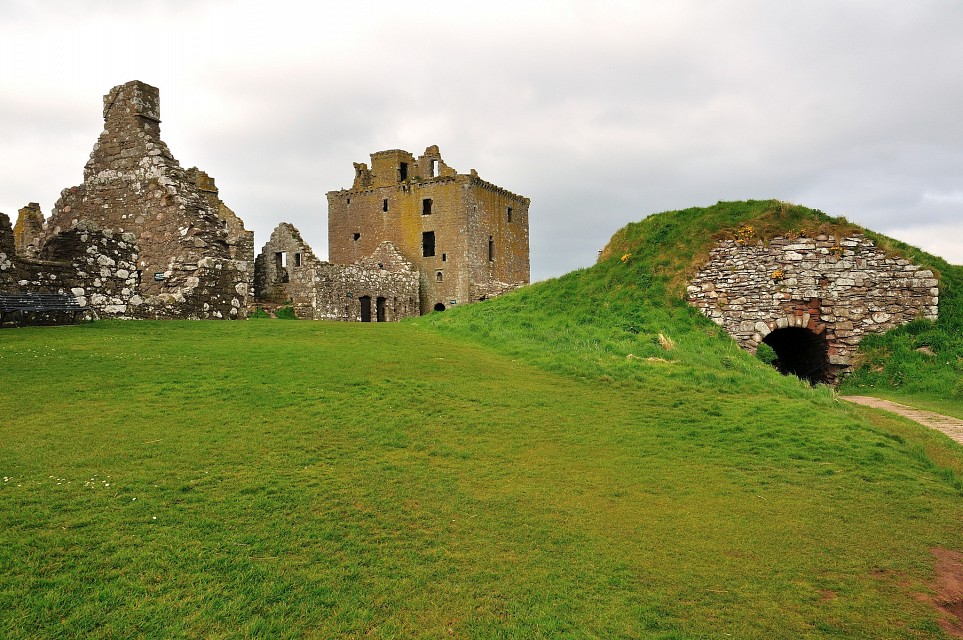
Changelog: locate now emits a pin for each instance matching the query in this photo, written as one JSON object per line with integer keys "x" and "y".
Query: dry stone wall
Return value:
{"x": 838, "y": 289}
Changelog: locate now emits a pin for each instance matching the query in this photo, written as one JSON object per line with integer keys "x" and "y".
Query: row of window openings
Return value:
{"x": 428, "y": 247}
{"x": 281, "y": 260}
{"x": 426, "y": 207}
{"x": 403, "y": 171}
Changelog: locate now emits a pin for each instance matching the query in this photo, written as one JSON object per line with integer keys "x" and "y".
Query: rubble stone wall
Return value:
{"x": 287, "y": 270}
{"x": 191, "y": 261}
{"x": 841, "y": 289}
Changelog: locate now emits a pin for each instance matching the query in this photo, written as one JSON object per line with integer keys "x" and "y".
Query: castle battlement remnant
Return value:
{"x": 466, "y": 237}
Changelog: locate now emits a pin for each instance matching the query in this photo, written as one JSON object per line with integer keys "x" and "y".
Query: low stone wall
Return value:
{"x": 99, "y": 267}
{"x": 841, "y": 289}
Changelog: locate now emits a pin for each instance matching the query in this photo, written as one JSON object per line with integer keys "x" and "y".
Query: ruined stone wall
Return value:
{"x": 288, "y": 270}
{"x": 99, "y": 268}
{"x": 133, "y": 184}
{"x": 498, "y": 239}
{"x": 339, "y": 288}
{"x": 9, "y": 274}
{"x": 840, "y": 289}
{"x": 464, "y": 213}
{"x": 240, "y": 241}
{"x": 28, "y": 229}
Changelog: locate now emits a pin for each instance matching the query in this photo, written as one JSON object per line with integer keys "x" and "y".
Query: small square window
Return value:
{"x": 356, "y": 236}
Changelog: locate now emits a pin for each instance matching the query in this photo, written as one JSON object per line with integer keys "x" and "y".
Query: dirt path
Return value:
{"x": 953, "y": 427}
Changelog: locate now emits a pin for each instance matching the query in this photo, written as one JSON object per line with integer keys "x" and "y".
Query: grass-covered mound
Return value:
{"x": 589, "y": 321}
{"x": 587, "y": 457}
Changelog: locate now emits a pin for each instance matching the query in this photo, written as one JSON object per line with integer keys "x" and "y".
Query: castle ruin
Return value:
{"x": 163, "y": 244}
{"x": 467, "y": 238}
{"x": 381, "y": 287}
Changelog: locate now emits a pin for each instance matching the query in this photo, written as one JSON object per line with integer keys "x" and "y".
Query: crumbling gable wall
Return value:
{"x": 132, "y": 184}
{"x": 839, "y": 289}
{"x": 287, "y": 270}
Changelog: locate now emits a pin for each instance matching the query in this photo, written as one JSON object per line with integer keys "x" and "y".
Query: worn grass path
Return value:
{"x": 952, "y": 427}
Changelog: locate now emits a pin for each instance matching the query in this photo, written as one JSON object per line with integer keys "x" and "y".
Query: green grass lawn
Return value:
{"x": 449, "y": 477}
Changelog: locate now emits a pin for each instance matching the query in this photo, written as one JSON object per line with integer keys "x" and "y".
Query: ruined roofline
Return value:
{"x": 472, "y": 178}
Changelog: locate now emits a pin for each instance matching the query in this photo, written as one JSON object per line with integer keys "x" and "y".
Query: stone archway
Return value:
{"x": 833, "y": 290}
{"x": 802, "y": 353}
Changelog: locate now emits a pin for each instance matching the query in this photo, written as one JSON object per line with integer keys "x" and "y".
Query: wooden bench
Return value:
{"x": 23, "y": 303}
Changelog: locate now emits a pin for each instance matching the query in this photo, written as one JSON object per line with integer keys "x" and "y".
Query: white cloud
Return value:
{"x": 600, "y": 112}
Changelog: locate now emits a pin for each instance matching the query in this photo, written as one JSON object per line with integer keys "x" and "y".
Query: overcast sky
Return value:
{"x": 601, "y": 112}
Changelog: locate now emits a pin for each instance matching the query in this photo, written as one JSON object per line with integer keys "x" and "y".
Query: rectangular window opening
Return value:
{"x": 426, "y": 207}
{"x": 297, "y": 259}
{"x": 428, "y": 244}
{"x": 402, "y": 171}
{"x": 491, "y": 249}
{"x": 509, "y": 214}
{"x": 444, "y": 257}
{"x": 433, "y": 169}
{"x": 384, "y": 204}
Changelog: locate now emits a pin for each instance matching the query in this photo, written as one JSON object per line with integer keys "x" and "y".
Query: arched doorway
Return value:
{"x": 801, "y": 353}
{"x": 440, "y": 306}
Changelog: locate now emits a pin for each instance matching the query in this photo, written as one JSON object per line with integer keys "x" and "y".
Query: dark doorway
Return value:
{"x": 440, "y": 307}
{"x": 801, "y": 353}
{"x": 380, "y": 309}
{"x": 365, "y": 308}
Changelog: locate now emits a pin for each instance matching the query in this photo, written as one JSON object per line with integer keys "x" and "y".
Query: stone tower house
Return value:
{"x": 467, "y": 238}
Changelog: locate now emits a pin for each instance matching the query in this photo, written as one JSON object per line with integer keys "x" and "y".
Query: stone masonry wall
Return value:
{"x": 28, "y": 229}
{"x": 9, "y": 273}
{"x": 839, "y": 289}
{"x": 133, "y": 184}
{"x": 480, "y": 231}
{"x": 288, "y": 270}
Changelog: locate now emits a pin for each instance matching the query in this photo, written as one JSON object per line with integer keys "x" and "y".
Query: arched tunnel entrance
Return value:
{"x": 801, "y": 353}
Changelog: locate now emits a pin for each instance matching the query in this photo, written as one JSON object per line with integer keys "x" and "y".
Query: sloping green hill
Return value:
{"x": 585, "y": 458}
{"x": 589, "y": 321}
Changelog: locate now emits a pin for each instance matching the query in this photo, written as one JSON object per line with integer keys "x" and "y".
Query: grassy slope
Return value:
{"x": 382, "y": 481}
{"x": 499, "y": 470}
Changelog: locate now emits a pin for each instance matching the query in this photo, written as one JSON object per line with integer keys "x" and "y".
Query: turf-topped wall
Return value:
{"x": 811, "y": 299}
